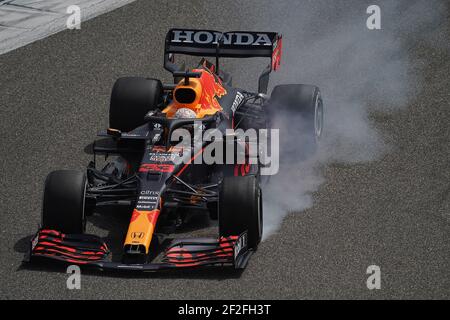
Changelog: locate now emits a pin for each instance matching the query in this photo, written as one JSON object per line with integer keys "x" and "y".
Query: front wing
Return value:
{"x": 92, "y": 251}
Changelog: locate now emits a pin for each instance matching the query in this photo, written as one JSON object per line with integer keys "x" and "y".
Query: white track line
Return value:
{"x": 25, "y": 21}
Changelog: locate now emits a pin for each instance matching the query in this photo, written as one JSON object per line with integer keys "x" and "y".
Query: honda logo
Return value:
{"x": 137, "y": 235}
{"x": 229, "y": 38}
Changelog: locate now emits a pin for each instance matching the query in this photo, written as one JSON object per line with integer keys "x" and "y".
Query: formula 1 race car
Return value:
{"x": 161, "y": 171}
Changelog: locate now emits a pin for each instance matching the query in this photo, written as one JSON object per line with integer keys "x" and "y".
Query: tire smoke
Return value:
{"x": 361, "y": 73}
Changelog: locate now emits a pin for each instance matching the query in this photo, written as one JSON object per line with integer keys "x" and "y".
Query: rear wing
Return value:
{"x": 234, "y": 44}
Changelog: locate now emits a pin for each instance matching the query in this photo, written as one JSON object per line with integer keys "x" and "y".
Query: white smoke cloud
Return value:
{"x": 359, "y": 71}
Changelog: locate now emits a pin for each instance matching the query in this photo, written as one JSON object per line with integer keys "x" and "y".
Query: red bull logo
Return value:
{"x": 211, "y": 90}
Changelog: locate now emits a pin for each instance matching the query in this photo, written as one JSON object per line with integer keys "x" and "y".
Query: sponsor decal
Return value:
{"x": 161, "y": 154}
{"x": 156, "y": 167}
{"x": 127, "y": 134}
{"x": 146, "y": 201}
{"x": 137, "y": 235}
{"x": 34, "y": 242}
{"x": 229, "y": 38}
{"x": 127, "y": 266}
{"x": 211, "y": 90}
{"x": 150, "y": 193}
{"x": 240, "y": 245}
{"x": 148, "y": 198}
{"x": 237, "y": 101}
{"x": 156, "y": 137}
{"x": 172, "y": 149}
{"x": 142, "y": 206}
{"x": 162, "y": 157}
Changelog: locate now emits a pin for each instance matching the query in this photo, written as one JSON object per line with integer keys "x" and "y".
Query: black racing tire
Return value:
{"x": 64, "y": 202}
{"x": 240, "y": 208}
{"x": 131, "y": 99}
{"x": 297, "y": 110}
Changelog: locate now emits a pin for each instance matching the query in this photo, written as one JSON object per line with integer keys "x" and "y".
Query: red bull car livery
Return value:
{"x": 157, "y": 169}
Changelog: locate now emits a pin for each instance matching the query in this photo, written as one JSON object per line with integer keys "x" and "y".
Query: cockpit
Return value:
{"x": 197, "y": 92}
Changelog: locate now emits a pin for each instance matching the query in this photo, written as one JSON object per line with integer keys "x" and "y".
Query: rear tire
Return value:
{"x": 297, "y": 109}
{"x": 64, "y": 202}
{"x": 131, "y": 99}
{"x": 240, "y": 208}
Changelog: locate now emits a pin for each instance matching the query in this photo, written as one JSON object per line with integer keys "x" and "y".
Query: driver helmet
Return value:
{"x": 185, "y": 113}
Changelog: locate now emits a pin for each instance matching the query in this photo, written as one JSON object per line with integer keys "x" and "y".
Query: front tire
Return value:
{"x": 240, "y": 208}
{"x": 131, "y": 99}
{"x": 64, "y": 202}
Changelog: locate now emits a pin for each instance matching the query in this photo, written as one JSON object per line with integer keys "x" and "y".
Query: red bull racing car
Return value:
{"x": 162, "y": 181}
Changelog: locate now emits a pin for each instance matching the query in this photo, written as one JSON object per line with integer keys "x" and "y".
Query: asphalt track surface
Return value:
{"x": 392, "y": 212}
